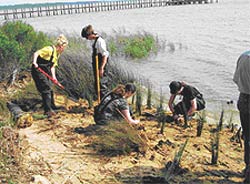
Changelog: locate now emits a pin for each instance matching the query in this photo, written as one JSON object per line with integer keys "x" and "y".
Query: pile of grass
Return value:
{"x": 119, "y": 138}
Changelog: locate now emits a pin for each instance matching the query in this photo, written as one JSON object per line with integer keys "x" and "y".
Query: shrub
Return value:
{"x": 10, "y": 54}
{"x": 18, "y": 42}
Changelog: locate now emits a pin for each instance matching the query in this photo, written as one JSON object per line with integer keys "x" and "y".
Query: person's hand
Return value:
{"x": 135, "y": 122}
{"x": 176, "y": 117}
{"x": 55, "y": 80}
{"x": 35, "y": 65}
{"x": 101, "y": 71}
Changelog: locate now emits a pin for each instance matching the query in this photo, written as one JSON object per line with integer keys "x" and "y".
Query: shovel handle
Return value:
{"x": 97, "y": 79}
{"x": 50, "y": 78}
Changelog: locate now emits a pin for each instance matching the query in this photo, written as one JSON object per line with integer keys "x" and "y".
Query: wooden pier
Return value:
{"x": 85, "y": 7}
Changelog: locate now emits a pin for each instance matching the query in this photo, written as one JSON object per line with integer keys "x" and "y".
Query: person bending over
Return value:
{"x": 47, "y": 59}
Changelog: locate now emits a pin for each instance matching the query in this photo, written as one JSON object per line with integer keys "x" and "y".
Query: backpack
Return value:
{"x": 100, "y": 117}
{"x": 201, "y": 104}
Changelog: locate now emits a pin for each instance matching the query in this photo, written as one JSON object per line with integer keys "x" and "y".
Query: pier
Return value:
{"x": 86, "y": 7}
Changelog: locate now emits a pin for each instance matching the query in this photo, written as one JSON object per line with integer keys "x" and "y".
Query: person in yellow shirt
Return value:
{"x": 47, "y": 59}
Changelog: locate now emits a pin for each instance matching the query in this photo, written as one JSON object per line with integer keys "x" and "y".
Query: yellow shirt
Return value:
{"x": 46, "y": 53}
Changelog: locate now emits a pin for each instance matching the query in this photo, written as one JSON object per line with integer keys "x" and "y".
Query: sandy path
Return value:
{"x": 55, "y": 158}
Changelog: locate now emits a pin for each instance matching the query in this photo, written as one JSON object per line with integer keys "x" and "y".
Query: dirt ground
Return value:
{"x": 57, "y": 151}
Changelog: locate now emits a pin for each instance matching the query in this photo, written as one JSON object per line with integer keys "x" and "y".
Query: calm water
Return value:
{"x": 205, "y": 40}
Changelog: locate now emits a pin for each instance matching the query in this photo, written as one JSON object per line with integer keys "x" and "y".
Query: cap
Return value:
{"x": 174, "y": 86}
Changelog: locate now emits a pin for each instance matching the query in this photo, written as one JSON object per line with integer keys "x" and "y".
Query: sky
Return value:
{"x": 14, "y": 2}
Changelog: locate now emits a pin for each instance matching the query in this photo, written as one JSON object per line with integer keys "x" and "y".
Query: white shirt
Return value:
{"x": 101, "y": 47}
{"x": 242, "y": 73}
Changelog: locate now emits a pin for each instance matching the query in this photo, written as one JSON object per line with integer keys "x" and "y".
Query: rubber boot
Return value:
{"x": 46, "y": 97}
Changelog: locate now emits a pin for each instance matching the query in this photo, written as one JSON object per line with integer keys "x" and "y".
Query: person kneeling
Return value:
{"x": 192, "y": 99}
{"x": 114, "y": 106}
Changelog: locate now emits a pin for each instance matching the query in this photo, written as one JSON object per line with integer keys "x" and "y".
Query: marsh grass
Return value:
{"x": 173, "y": 168}
{"x": 215, "y": 141}
{"x": 135, "y": 46}
{"x": 76, "y": 74}
{"x": 200, "y": 122}
{"x": 149, "y": 96}
{"x": 119, "y": 138}
{"x": 139, "y": 99}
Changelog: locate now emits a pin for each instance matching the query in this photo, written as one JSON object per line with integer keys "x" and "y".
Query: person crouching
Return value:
{"x": 192, "y": 99}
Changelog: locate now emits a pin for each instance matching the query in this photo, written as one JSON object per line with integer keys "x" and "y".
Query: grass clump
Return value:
{"x": 119, "y": 138}
{"x": 135, "y": 46}
{"x": 140, "y": 47}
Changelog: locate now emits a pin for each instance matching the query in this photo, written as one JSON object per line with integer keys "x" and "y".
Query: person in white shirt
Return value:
{"x": 242, "y": 80}
{"x": 99, "y": 49}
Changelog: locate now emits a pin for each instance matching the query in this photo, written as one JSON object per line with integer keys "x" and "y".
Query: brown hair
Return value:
{"x": 122, "y": 89}
{"x": 119, "y": 90}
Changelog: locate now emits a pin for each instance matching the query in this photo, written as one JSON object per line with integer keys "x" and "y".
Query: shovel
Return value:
{"x": 97, "y": 80}
{"x": 56, "y": 83}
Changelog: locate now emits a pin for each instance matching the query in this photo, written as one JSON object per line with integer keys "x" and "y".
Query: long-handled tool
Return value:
{"x": 97, "y": 79}
{"x": 57, "y": 83}
{"x": 50, "y": 78}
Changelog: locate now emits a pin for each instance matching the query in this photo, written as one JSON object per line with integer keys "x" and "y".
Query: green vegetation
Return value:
{"x": 200, "y": 122}
{"x": 136, "y": 46}
{"x": 140, "y": 47}
{"x": 5, "y": 118}
{"x": 18, "y": 42}
{"x": 149, "y": 96}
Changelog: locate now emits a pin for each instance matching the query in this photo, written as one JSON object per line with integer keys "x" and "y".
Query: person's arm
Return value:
{"x": 104, "y": 62}
{"x": 53, "y": 72}
{"x": 192, "y": 108}
{"x": 35, "y": 56}
{"x": 128, "y": 118}
{"x": 170, "y": 103}
{"x": 105, "y": 54}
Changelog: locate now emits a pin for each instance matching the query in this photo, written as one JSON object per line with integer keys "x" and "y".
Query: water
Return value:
{"x": 205, "y": 41}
